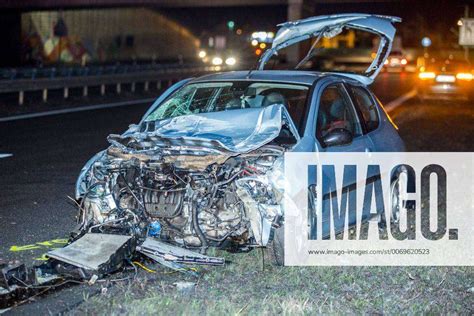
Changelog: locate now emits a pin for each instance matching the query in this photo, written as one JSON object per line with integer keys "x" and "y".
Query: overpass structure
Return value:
{"x": 12, "y": 19}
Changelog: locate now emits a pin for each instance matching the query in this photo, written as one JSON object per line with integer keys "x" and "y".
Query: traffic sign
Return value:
{"x": 466, "y": 33}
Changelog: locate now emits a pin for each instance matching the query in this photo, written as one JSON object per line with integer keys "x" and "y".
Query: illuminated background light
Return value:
{"x": 231, "y": 61}
{"x": 217, "y": 61}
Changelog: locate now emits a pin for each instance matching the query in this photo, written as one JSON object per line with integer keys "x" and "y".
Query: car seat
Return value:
{"x": 274, "y": 98}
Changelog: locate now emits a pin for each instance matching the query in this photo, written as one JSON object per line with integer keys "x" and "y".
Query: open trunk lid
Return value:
{"x": 329, "y": 26}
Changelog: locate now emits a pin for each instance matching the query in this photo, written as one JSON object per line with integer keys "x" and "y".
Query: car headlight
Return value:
{"x": 426, "y": 75}
{"x": 80, "y": 182}
{"x": 202, "y": 54}
{"x": 231, "y": 61}
{"x": 465, "y": 76}
{"x": 217, "y": 61}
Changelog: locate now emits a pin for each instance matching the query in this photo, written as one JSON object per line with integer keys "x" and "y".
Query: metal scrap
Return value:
{"x": 173, "y": 257}
{"x": 96, "y": 253}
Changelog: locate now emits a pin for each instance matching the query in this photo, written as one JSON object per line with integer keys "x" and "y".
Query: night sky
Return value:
{"x": 434, "y": 18}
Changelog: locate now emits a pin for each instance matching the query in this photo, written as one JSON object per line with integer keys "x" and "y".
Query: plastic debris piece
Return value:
{"x": 93, "y": 279}
{"x": 154, "y": 229}
{"x": 185, "y": 287}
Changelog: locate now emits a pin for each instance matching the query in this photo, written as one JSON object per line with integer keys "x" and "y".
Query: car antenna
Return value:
{"x": 252, "y": 69}
{"x": 249, "y": 73}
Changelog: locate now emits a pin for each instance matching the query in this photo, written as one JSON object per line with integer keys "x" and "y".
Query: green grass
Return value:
{"x": 243, "y": 287}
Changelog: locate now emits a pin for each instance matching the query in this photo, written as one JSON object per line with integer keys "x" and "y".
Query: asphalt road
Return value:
{"x": 48, "y": 152}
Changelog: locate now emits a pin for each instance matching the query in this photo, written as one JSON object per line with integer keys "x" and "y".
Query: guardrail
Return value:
{"x": 160, "y": 76}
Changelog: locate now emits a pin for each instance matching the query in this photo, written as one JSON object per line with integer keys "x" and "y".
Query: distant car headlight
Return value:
{"x": 231, "y": 61}
{"x": 202, "y": 54}
{"x": 427, "y": 75}
{"x": 404, "y": 61}
{"x": 217, "y": 61}
{"x": 464, "y": 76}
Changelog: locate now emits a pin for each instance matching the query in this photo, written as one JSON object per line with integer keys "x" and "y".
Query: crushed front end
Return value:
{"x": 199, "y": 191}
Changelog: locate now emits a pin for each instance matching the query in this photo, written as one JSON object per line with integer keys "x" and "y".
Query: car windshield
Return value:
{"x": 209, "y": 97}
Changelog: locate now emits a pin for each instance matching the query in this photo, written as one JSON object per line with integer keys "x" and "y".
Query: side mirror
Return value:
{"x": 338, "y": 137}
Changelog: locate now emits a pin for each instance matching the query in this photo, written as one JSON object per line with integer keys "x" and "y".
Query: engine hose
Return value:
{"x": 198, "y": 230}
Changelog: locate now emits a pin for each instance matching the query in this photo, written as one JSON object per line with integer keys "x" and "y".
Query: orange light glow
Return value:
{"x": 464, "y": 76}
{"x": 427, "y": 75}
{"x": 404, "y": 61}
{"x": 258, "y": 52}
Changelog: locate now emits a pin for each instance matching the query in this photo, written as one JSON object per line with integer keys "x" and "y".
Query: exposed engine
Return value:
{"x": 199, "y": 198}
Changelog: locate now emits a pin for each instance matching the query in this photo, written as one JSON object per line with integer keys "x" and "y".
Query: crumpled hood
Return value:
{"x": 237, "y": 131}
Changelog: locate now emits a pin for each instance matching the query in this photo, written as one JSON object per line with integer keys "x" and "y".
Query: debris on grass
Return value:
{"x": 185, "y": 287}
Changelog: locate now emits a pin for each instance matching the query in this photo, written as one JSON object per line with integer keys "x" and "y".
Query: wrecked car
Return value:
{"x": 204, "y": 166}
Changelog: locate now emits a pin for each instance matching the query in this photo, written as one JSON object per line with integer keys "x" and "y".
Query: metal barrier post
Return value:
{"x": 145, "y": 87}
{"x": 45, "y": 95}
{"x": 102, "y": 89}
{"x": 66, "y": 92}
{"x": 21, "y": 98}
{"x": 85, "y": 91}
{"x": 133, "y": 87}
{"x": 119, "y": 88}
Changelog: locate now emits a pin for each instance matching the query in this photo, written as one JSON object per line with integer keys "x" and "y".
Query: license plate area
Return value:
{"x": 445, "y": 78}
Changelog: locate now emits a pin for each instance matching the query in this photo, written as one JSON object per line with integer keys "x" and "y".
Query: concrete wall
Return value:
{"x": 105, "y": 35}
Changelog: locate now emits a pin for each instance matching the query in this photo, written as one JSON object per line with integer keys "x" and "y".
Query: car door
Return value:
{"x": 366, "y": 106}
{"x": 336, "y": 111}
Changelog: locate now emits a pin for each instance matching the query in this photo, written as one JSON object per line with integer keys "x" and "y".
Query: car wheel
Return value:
{"x": 278, "y": 246}
{"x": 398, "y": 193}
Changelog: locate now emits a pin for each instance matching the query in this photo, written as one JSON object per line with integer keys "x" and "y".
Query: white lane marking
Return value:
{"x": 5, "y": 155}
{"x": 400, "y": 100}
{"x": 75, "y": 109}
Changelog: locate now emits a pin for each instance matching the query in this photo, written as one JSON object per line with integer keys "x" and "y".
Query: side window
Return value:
{"x": 336, "y": 111}
{"x": 366, "y": 105}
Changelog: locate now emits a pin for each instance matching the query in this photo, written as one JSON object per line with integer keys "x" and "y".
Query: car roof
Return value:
{"x": 287, "y": 76}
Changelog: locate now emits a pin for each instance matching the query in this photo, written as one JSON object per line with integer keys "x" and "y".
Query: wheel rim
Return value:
{"x": 398, "y": 195}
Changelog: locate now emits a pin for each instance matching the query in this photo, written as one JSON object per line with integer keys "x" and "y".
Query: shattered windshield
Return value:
{"x": 225, "y": 96}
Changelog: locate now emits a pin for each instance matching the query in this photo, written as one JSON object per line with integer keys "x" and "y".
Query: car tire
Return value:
{"x": 396, "y": 195}
{"x": 278, "y": 246}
